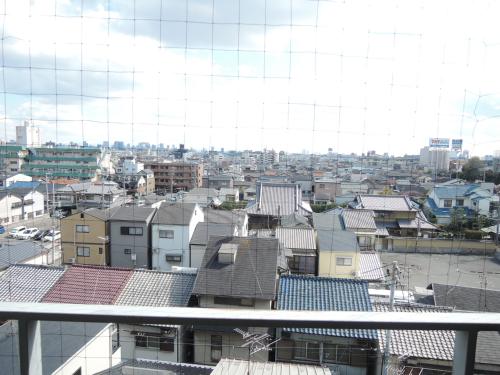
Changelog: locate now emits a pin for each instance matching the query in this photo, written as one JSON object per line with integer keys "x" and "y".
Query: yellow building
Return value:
{"x": 85, "y": 237}
{"x": 338, "y": 253}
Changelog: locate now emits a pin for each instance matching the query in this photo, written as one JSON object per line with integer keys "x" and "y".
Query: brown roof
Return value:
{"x": 89, "y": 285}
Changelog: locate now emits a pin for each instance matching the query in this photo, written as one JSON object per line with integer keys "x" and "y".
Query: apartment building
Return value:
{"x": 176, "y": 176}
{"x": 68, "y": 162}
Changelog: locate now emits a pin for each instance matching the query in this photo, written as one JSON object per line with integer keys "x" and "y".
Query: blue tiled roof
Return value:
{"x": 24, "y": 185}
{"x": 455, "y": 191}
{"x": 325, "y": 294}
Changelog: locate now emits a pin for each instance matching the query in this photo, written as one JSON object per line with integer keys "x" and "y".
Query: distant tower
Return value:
{"x": 28, "y": 135}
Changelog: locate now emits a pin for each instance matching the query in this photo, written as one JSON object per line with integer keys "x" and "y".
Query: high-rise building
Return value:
{"x": 28, "y": 135}
{"x": 437, "y": 159}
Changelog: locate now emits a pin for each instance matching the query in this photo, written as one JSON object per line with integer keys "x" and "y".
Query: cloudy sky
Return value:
{"x": 291, "y": 75}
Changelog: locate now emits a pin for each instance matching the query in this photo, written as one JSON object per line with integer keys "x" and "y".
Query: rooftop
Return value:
{"x": 204, "y": 230}
{"x": 314, "y": 293}
{"x": 252, "y": 275}
{"x": 239, "y": 367}
{"x": 385, "y": 203}
{"x": 359, "y": 220}
{"x": 297, "y": 238}
{"x": 466, "y": 298}
{"x": 174, "y": 214}
{"x": 337, "y": 240}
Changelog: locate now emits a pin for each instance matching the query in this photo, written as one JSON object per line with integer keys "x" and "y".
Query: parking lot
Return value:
{"x": 42, "y": 222}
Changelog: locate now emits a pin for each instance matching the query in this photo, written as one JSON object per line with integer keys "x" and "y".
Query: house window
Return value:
{"x": 100, "y": 250}
{"x": 303, "y": 264}
{"x": 82, "y": 251}
{"x": 218, "y": 300}
{"x": 321, "y": 186}
{"x": 167, "y": 234}
{"x": 460, "y": 202}
{"x": 131, "y": 231}
{"x": 448, "y": 203}
{"x": 344, "y": 261}
{"x": 306, "y": 350}
{"x": 215, "y": 348}
{"x": 154, "y": 341}
{"x": 336, "y": 353}
{"x": 82, "y": 228}
{"x": 173, "y": 258}
{"x": 127, "y": 251}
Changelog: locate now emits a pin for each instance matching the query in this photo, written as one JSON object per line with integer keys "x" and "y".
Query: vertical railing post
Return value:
{"x": 464, "y": 355}
{"x": 30, "y": 347}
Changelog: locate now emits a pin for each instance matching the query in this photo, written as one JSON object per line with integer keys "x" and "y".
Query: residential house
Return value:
{"x": 24, "y": 252}
{"x": 235, "y": 273}
{"x": 326, "y": 190}
{"x": 472, "y": 199}
{"x": 103, "y": 194}
{"x": 10, "y": 207}
{"x": 229, "y": 195}
{"x": 346, "y": 351}
{"x": 338, "y": 248}
{"x": 273, "y": 201}
{"x": 85, "y": 237}
{"x": 201, "y": 235}
{"x": 18, "y": 204}
{"x": 150, "y": 367}
{"x": 204, "y": 197}
{"x": 361, "y": 222}
{"x": 218, "y": 181}
{"x": 417, "y": 352}
{"x": 237, "y": 217}
{"x": 395, "y": 215}
{"x": 301, "y": 245}
{"x": 171, "y": 230}
{"x": 130, "y": 236}
{"x": 463, "y": 298}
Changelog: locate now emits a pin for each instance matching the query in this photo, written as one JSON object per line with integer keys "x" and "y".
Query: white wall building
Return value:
{"x": 437, "y": 159}
{"x": 171, "y": 230}
{"x": 28, "y": 135}
{"x": 20, "y": 205}
{"x": 17, "y": 177}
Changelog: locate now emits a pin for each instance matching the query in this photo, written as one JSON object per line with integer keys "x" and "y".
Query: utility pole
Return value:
{"x": 387, "y": 348}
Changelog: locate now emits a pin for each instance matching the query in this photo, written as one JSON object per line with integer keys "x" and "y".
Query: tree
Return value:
{"x": 457, "y": 220}
{"x": 472, "y": 170}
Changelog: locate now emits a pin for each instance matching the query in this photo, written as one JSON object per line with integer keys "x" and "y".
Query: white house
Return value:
{"x": 10, "y": 207}
{"x": 20, "y": 204}
{"x": 17, "y": 177}
{"x": 171, "y": 230}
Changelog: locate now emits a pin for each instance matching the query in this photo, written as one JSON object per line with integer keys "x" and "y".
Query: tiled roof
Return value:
{"x": 359, "y": 220}
{"x": 370, "y": 267}
{"x": 325, "y": 294}
{"x": 133, "y": 213}
{"x": 330, "y": 220}
{"x": 89, "y": 285}
{"x": 28, "y": 283}
{"x": 132, "y": 366}
{"x": 454, "y": 191}
{"x": 278, "y": 199}
{"x": 465, "y": 298}
{"x": 337, "y": 240}
{"x": 385, "y": 202}
{"x": 204, "y": 230}
{"x": 294, "y": 220}
{"x": 252, "y": 275}
{"x": 297, "y": 238}
{"x": 174, "y": 214}
{"x": 429, "y": 344}
{"x": 159, "y": 289}
{"x": 240, "y": 367}
{"x": 420, "y": 221}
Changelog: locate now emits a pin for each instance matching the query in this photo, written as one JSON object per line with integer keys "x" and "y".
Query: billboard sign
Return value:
{"x": 456, "y": 144}
{"x": 439, "y": 142}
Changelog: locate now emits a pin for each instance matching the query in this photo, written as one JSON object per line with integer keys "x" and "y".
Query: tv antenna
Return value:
{"x": 256, "y": 342}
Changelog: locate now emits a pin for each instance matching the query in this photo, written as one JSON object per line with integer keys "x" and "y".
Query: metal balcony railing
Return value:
{"x": 28, "y": 315}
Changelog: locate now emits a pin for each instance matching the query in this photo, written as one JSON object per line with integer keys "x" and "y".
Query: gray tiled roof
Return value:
{"x": 314, "y": 293}
{"x": 385, "y": 202}
{"x": 240, "y": 367}
{"x": 297, "y": 238}
{"x": 133, "y": 213}
{"x": 278, "y": 199}
{"x": 329, "y": 220}
{"x": 28, "y": 283}
{"x": 204, "y": 230}
{"x": 223, "y": 216}
{"x": 466, "y": 298}
{"x": 159, "y": 289}
{"x": 359, "y": 220}
{"x": 174, "y": 214}
{"x": 337, "y": 240}
{"x": 166, "y": 368}
{"x": 253, "y": 274}
{"x": 429, "y": 344}
{"x": 370, "y": 267}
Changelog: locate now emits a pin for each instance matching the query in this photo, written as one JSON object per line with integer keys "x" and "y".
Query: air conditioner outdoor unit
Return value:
{"x": 71, "y": 260}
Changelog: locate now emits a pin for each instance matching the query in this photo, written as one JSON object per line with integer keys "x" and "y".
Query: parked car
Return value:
{"x": 41, "y": 233}
{"x": 14, "y": 231}
{"x": 27, "y": 233}
{"x": 2, "y": 229}
{"x": 52, "y": 236}
{"x": 60, "y": 214}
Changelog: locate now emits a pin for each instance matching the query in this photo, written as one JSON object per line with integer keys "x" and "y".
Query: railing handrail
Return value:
{"x": 465, "y": 321}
